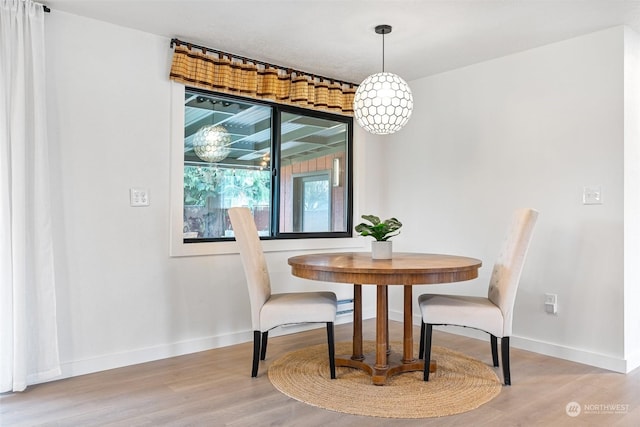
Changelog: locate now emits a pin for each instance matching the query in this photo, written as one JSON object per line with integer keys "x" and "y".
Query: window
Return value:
{"x": 290, "y": 166}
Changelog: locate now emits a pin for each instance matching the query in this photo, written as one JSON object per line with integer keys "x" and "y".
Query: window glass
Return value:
{"x": 228, "y": 148}
{"x": 313, "y": 196}
{"x": 227, "y": 144}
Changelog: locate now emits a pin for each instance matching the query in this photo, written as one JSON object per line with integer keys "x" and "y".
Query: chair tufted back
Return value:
{"x": 509, "y": 264}
{"x": 253, "y": 261}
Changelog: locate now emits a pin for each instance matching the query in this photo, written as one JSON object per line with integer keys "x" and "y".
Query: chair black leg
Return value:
{"x": 504, "y": 344}
{"x": 428, "y": 331}
{"x": 332, "y": 350}
{"x": 494, "y": 350}
{"x": 421, "y": 339}
{"x": 256, "y": 353}
{"x": 263, "y": 350}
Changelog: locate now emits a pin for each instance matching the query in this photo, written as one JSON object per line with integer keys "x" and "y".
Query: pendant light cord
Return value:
{"x": 383, "y": 51}
{"x": 383, "y": 29}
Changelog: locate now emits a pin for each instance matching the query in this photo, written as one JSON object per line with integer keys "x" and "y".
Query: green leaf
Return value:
{"x": 380, "y": 231}
{"x": 372, "y": 219}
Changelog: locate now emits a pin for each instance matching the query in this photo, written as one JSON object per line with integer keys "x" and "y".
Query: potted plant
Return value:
{"x": 381, "y": 231}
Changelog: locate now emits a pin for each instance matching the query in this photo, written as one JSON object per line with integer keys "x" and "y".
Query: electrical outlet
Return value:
{"x": 139, "y": 197}
{"x": 592, "y": 195}
{"x": 551, "y": 303}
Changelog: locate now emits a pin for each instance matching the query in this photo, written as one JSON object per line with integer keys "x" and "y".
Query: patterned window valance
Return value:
{"x": 222, "y": 72}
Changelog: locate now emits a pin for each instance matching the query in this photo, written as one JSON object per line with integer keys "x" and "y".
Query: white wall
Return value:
{"x": 121, "y": 298}
{"x": 530, "y": 129}
{"x": 631, "y": 197}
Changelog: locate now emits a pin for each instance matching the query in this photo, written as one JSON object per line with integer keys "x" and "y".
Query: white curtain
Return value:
{"x": 28, "y": 330}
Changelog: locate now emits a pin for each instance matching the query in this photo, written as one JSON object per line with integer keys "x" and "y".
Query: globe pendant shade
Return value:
{"x": 211, "y": 143}
{"x": 383, "y": 103}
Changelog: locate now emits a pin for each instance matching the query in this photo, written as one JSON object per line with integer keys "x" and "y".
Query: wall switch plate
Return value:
{"x": 139, "y": 197}
{"x": 592, "y": 195}
{"x": 551, "y": 303}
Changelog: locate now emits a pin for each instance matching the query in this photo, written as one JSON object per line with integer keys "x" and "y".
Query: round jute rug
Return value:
{"x": 460, "y": 384}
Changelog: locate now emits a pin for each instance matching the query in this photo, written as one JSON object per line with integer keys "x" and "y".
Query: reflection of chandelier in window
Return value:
{"x": 211, "y": 143}
{"x": 265, "y": 161}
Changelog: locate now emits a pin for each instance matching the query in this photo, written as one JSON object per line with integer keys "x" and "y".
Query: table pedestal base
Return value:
{"x": 379, "y": 375}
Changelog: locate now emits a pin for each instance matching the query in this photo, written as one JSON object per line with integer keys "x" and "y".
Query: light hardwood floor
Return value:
{"x": 214, "y": 388}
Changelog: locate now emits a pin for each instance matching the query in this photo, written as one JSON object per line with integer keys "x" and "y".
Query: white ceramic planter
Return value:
{"x": 381, "y": 250}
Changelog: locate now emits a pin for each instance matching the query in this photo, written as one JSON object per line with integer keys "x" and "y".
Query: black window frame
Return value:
{"x": 275, "y": 164}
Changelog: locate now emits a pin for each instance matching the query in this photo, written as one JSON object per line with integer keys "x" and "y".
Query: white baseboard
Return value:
{"x": 105, "y": 362}
{"x": 548, "y": 349}
{"x": 573, "y": 354}
{"x": 633, "y": 362}
{"x": 118, "y": 360}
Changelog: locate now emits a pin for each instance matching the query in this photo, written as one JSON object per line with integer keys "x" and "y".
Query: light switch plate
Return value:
{"x": 551, "y": 303}
{"x": 139, "y": 197}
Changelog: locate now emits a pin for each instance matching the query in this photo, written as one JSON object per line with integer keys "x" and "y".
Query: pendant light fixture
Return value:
{"x": 383, "y": 101}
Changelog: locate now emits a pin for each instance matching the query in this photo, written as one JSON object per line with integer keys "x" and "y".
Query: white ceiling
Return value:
{"x": 336, "y": 38}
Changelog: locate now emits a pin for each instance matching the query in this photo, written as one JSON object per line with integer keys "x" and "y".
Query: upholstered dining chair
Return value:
{"x": 269, "y": 310}
{"x": 493, "y": 314}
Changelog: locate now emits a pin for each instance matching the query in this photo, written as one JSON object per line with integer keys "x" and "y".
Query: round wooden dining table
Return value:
{"x": 403, "y": 269}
